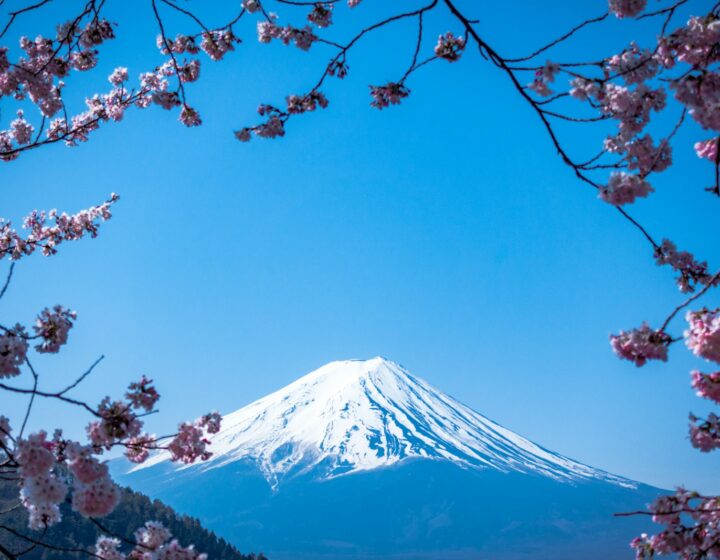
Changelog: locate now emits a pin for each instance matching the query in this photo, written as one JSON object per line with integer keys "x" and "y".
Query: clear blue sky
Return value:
{"x": 444, "y": 234}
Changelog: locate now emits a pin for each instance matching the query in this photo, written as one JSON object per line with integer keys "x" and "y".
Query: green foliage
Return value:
{"x": 75, "y": 534}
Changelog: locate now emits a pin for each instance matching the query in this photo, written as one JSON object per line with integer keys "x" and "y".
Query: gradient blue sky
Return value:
{"x": 444, "y": 234}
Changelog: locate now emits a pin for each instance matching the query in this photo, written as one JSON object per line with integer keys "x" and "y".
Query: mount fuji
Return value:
{"x": 359, "y": 459}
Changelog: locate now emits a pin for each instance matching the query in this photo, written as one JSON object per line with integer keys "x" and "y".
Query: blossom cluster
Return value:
{"x": 449, "y": 47}
{"x": 50, "y": 469}
{"x": 391, "y": 93}
{"x": 703, "y": 333}
{"x": 46, "y": 230}
{"x": 701, "y": 539}
{"x": 53, "y": 327}
{"x": 190, "y": 443}
{"x": 641, "y": 344}
{"x": 627, "y": 8}
{"x": 152, "y": 542}
{"x": 624, "y": 188}
{"x": 37, "y": 76}
{"x": 302, "y": 37}
{"x": 274, "y": 126}
{"x": 53, "y": 470}
{"x": 543, "y": 77}
{"x": 692, "y": 272}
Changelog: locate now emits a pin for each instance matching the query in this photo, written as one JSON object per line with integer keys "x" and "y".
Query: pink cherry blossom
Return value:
{"x": 173, "y": 551}
{"x": 297, "y": 104}
{"x": 117, "y": 423}
{"x": 152, "y": 536}
{"x": 624, "y": 188}
{"x": 53, "y": 327}
{"x": 634, "y": 65}
{"x": 97, "y": 499}
{"x": 583, "y": 89}
{"x": 21, "y": 129}
{"x": 84, "y": 467}
{"x": 189, "y": 72}
{"x": 34, "y": 455}
{"x": 627, "y": 8}
{"x": 190, "y": 117}
{"x": 47, "y": 236}
{"x": 321, "y": 15}
{"x": 137, "y": 449}
{"x": 217, "y": 44}
{"x": 707, "y": 385}
{"x": 13, "y": 349}
{"x": 708, "y": 149}
{"x": 390, "y": 94}
{"x": 189, "y": 444}
{"x": 118, "y": 76}
{"x": 211, "y": 422}
{"x": 692, "y": 272}
{"x": 642, "y": 155}
{"x": 703, "y": 334}
{"x": 449, "y": 47}
{"x": 142, "y": 394}
{"x": 705, "y": 434}
{"x": 41, "y": 516}
{"x": 251, "y": 6}
{"x": 108, "y": 548}
{"x": 44, "y": 488}
{"x": 640, "y": 345}
{"x": 4, "y": 430}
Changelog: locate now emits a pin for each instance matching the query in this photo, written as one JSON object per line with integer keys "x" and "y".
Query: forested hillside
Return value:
{"x": 75, "y": 536}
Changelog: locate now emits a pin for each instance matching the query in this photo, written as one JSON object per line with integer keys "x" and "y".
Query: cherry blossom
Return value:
{"x": 645, "y": 157}
{"x": 321, "y": 15}
{"x": 705, "y": 434}
{"x": 4, "y": 430}
{"x": 543, "y": 77}
{"x": 142, "y": 394}
{"x": 189, "y": 444}
{"x": 691, "y": 271}
{"x": 118, "y": 76}
{"x": 217, "y": 44}
{"x": 634, "y": 65}
{"x": 449, "y": 47}
{"x": 708, "y": 149}
{"x": 44, "y": 488}
{"x": 107, "y": 548}
{"x": 53, "y": 327}
{"x": 41, "y": 516}
{"x": 13, "y": 349}
{"x": 211, "y": 422}
{"x": 47, "y": 236}
{"x": 138, "y": 447}
{"x": 21, "y": 130}
{"x": 624, "y": 188}
{"x": 117, "y": 422}
{"x": 390, "y": 94}
{"x": 34, "y": 455}
{"x": 190, "y": 117}
{"x": 84, "y": 467}
{"x": 627, "y": 8}
{"x": 640, "y": 345}
{"x": 707, "y": 385}
{"x": 96, "y": 499}
{"x": 152, "y": 536}
{"x": 703, "y": 334}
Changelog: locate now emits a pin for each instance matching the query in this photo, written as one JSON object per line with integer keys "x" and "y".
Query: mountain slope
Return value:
{"x": 361, "y": 460}
{"x": 357, "y": 415}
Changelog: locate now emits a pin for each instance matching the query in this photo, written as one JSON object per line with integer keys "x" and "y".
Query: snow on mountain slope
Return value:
{"x": 358, "y": 415}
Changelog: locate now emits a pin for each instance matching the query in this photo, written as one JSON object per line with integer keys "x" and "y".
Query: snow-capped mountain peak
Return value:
{"x": 358, "y": 415}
